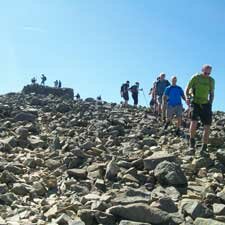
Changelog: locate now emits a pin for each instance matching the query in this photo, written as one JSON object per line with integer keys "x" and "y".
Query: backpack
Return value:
{"x": 134, "y": 89}
{"x": 122, "y": 89}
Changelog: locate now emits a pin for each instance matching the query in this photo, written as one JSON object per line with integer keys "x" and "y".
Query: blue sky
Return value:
{"x": 95, "y": 45}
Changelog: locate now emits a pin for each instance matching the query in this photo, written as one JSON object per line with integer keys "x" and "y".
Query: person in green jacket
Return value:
{"x": 200, "y": 96}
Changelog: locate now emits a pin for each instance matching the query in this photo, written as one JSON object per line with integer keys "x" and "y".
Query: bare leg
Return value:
{"x": 159, "y": 108}
{"x": 193, "y": 127}
{"x": 206, "y": 134}
{"x": 179, "y": 120}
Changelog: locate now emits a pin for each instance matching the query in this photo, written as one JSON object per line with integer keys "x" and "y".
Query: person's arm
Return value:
{"x": 211, "y": 94}
{"x": 187, "y": 91}
{"x": 165, "y": 97}
{"x": 182, "y": 94}
{"x": 168, "y": 83}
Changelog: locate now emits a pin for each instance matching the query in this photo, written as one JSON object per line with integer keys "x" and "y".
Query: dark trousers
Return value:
{"x": 135, "y": 98}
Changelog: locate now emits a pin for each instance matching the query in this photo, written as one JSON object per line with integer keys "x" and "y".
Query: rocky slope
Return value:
{"x": 68, "y": 163}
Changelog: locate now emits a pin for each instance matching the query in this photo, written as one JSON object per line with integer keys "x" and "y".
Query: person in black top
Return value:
{"x": 59, "y": 84}
{"x": 124, "y": 92}
{"x": 77, "y": 96}
{"x": 134, "y": 92}
{"x": 33, "y": 80}
{"x": 43, "y": 79}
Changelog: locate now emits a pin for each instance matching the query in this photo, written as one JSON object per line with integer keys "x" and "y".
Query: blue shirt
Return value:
{"x": 174, "y": 94}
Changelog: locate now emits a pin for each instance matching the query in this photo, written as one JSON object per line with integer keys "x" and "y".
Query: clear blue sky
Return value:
{"x": 95, "y": 45}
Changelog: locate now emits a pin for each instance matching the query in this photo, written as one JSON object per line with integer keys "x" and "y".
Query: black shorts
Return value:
{"x": 126, "y": 96}
{"x": 152, "y": 102}
{"x": 202, "y": 112}
{"x": 135, "y": 98}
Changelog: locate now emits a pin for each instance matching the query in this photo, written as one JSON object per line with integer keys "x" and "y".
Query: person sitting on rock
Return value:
{"x": 124, "y": 92}
{"x": 56, "y": 82}
{"x": 33, "y": 80}
{"x": 173, "y": 104}
{"x": 99, "y": 98}
{"x": 77, "y": 96}
{"x": 134, "y": 92}
{"x": 43, "y": 79}
{"x": 200, "y": 95}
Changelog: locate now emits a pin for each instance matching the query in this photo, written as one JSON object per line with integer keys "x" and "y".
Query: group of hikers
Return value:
{"x": 166, "y": 102}
{"x": 124, "y": 91}
{"x": 57, "y": 83}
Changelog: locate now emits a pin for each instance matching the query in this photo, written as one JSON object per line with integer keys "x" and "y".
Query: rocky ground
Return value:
{"x": 74, "y": 163}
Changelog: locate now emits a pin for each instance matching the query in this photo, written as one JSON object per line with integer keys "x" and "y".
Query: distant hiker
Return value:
{"x": 152, "y": 94}
{"x": 59, "y": 84}
{"x": 56, "y": 82}
{"x": 43, "y": 79}
{"x": 77, "y": 96}
{"x": 161, "y": 85}
{"x": 134, "y": 92}
{"x": 200, "y": 95}
{"x": 124, "y": 92}
{"x": 33, "y": 80}
{"x": 99, "y": 98}
{"x": 172, "y": 98}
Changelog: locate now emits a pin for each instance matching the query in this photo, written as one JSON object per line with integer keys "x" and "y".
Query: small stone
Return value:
{"x": 202, "y": 221}
{"x": 63, "y": 220}
{"x": 20, "y": 189}
{"x": 7, "y": 177}
{"x": 3, "y": 188}
{"x": 77, "y": 173}
{"x": 140, "y": 213}
{"x": 23, "y": 116}
{"x": 168, "y": 173}
{"x": 195, "y": 209}
{"x": 100, "y": 184}
{"x": 127, "y": 222}
{"x": 112, "y": 170}
{"x": 219, "y": 209}
{"x": 39, "y": 189}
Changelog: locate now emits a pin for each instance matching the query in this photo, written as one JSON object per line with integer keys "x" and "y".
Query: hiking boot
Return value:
{"x": 166, "y": 126}
{"x": 192, "y": 143}
{"x": 177, "y": 133}
{"x": 203, "y": 151}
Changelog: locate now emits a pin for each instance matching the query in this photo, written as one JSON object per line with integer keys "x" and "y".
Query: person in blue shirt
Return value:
{"x": 172, "y": 101}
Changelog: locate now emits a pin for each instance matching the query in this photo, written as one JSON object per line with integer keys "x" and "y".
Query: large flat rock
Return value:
{"x": 151, "y": 162}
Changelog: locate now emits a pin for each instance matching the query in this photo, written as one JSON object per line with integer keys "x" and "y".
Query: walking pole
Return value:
{"x": 145, "y": 97}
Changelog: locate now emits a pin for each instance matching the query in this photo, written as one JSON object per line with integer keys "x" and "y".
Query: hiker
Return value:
{"x": 77, "y": 96}
{"x": 124, "y": 92}
{"x": 59, "y": 84}
{"x": 56, "y": 82}
{"x": 134, "y": 92}
{"x": 200, "y": 95}
{"x": 33, "y": 80}
{"x": 161, "y": 85}
{"x": 43, "y": 79}
{"x": 172, "y": 98}
{"x": 99, "y": 98}
{"x": 152, "y": 93}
